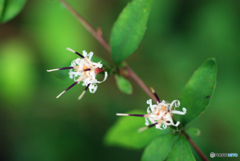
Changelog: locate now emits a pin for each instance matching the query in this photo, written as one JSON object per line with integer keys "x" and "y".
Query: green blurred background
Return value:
{"x": 180, "y": 36}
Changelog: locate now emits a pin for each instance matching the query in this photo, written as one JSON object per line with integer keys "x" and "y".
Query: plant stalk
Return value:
{"x": 131, "y": 73}
{"x": 97, "y": 35}
{"x": 101, "y": 40}
{"x": 200, "y": 153}
{"x": 138, "y": 80}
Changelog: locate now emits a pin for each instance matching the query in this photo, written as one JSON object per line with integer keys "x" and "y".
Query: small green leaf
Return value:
{"x": 159, "y": 148}
{"x": 125, "y": 132}
{"x": 10, "y": 8}
{"x": 193, "y": 132}
{"x": 197, "y": 93}
{"x": 129, "y": 29}
{"x": 181, "y": 151}
{"x": 123, "y": 84}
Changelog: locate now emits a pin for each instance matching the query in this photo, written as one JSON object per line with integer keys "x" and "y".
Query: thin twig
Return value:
{"x": 200, "y": 153}
{"x": 98, "y": 36}
{"x": 86, "y": 25}
{"x": 135, "y": 77}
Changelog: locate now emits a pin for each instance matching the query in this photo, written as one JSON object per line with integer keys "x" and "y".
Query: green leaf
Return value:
{"x": 197, "y": 93}
{"x": 129, "y": 29}
{"x": 123, "y": 84}
{"x": 1, "y": 8}
{"x": 159, "y": 148}
{"x": 10, "y": 8}
{"x": 125, "y": 132}
{"x": 193, "y": 132}
{"x": 181, "y": 151}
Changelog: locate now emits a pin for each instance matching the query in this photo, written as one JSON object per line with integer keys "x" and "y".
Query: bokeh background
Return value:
{"x": 180, "y": 36}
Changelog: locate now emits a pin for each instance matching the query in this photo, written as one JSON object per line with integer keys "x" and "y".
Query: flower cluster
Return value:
{"x": 160, "y": 114}
{"x": 83, "y": 69}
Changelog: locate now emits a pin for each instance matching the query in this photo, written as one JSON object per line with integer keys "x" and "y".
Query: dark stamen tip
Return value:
{"x": 79, "y": 55}
{"x": 152, "y": 125}
{"x": 87, "y": 87}
{"x": 66, "y": 68}
{"x": 138, "y": 115}
{"x": 71, "y": 85}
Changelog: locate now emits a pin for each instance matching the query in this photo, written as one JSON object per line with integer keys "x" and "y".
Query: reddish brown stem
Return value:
{"x": 98, "y": 36}
{"x": 200, "y": 153}
{"x": 86, "y": 25}
{"x": 135, "y": 77}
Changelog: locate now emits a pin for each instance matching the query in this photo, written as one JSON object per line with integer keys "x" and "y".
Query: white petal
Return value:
{"x": 158, "y": 126}
{"x": 105, "y": 77}
{"x": 148, "y": 111}
{"x": 84, "y": 53}
{"x": 180, "y": 112}
{"x": 97, "y": 65}
{"x": 150, "y": 104}
{"x": 175, "y": 103}
{"x": 164, "y": 127}
{"x": 146, "y": 121}
{"x": 72, "y": 73}
{"x": 176, "y": 124}
{"x": 93, "y": 88}
{"x": 90, "y": 55}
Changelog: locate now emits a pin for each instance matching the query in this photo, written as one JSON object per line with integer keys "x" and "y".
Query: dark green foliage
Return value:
{"x": 123, "y": 84}
{"x": 125, "y": 132}
{"x": 10, "y": 8}
{"x": 197, "y": 93}
{"x": 181, "y": 151}
{"x": 129, "y": 29}
{"x": 159, "y": 148}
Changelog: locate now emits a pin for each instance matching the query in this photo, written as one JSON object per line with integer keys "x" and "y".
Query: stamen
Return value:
{"x": 86, "y": 69}
{"x": 138, "y": 115}
{"x": 51, "y": 70}
{"x": 155, "y": 94}
{"x": 82, "y": 94}
{"x": 146, "y": 127}
{"x": 123, "y": 114}
{"x": 69, "y": 49}
{"x": 67, "y": 89}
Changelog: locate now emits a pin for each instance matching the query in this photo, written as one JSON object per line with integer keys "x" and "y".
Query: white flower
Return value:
{"x": 83, "y": 69}
{"x": 160, "y": 114}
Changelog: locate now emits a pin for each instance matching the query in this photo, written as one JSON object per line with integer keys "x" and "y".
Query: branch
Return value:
{"x": 135, "y": 77}
{"x": 95, "y": 34}
{"x": 200, "y": 153}
{"x": 98, "y": 36}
